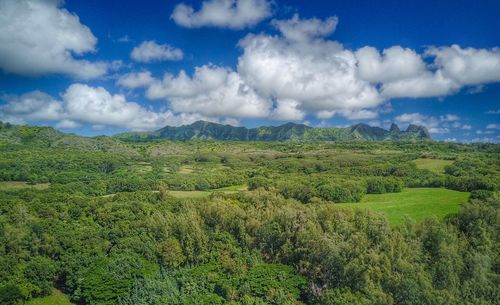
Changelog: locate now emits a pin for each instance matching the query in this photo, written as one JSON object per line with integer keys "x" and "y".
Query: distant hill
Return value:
{"x": 36, "y": 136}
{"x": 289, "y": 131}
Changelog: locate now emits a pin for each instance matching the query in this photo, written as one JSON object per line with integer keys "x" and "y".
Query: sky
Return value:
{"x": 102, "y": 67}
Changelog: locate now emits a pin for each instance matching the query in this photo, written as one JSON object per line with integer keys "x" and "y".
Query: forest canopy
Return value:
{"x": 208, "y": 222}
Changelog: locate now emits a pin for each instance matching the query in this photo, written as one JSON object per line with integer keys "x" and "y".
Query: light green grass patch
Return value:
{"x": 186, "y": 170}
{"x": 415, "y": 203}
{"x": 434, "y": 165}
{"x": 12, "y": 185}
{"x": 141, "y": 169}
{"x": 56, "y": 298}
{"x": 204, "y": 194}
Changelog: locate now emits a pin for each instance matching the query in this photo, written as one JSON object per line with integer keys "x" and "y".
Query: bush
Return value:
{"x": 381, "y": 185}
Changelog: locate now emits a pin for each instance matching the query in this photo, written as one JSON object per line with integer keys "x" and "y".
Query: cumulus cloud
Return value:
{"x": 451, "y": 69}
{"x": 287, "y": 110}
{"x": 82, "y": 104}
{"x": 40, "y": 37}
{"x": 67, "y": 124}
{"x": 302, "y": 30}
{"x": 211, "y": 91}
{"x": 135, "y": 80}
{"x": 233, "y": 14}
{"x": 395, "y": 63}
{"x": 33, "y": 106}
{"x": 150, "y": 51}
{"x": 436, "y": 125}
{"x": 402, "y": 72}
{"x": 467, "y": 66}
{"x": 300, "y": 72}
{"x": 493, "y": 126}
{"x": 315, "y": 75}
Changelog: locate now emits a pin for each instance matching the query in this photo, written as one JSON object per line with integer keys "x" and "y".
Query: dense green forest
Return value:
{"x": 108, "y": 222}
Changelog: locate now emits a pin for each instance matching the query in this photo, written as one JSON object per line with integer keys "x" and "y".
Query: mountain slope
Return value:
{"x": 42, "y": 137}
{"x": 289, "y": 131}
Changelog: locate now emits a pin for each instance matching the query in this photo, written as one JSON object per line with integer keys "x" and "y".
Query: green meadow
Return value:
{"x": 414, "y": 203}
{"x": 56, "y": 298}
{"x": 434, "y": 165}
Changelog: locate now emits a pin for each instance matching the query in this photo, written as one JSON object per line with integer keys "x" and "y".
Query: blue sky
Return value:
{"x": 100, "y": 67}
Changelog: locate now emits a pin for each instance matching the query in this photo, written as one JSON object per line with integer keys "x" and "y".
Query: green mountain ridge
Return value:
{"x": 48, "y": 137}
{"x": 203, "y": 130}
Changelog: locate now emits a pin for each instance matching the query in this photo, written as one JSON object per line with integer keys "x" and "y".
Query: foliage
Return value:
{"x": 170, "y": 222}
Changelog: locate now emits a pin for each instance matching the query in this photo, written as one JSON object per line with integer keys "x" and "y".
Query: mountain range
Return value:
{"x": 203, "y": 130}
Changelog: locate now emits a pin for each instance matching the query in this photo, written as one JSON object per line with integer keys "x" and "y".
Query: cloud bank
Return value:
{"x": 83, "y": 104}
{"x": 39, "y": 37}
{"x": 301, "y": 72}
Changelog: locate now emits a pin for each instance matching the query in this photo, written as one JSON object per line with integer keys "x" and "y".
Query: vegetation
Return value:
{"x": 434, "y": 165}
{"x": 415, "y": 204}
{"x": 208, "y": 222}
{"x": 56, "y": 298}
{"x": 290, "y": 131}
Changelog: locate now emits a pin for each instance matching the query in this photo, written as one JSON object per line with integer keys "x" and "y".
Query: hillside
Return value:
{"x": 288, "y": 131}
{"x": 48, "y": 137}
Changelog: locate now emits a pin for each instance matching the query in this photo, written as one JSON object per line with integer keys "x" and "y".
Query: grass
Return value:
{"x": 186, "y": 170}
{"x": 10, "y": 185}
{"x": 415, "y": 203}
{"x": 434, "y": 165}
{"x": 203, "y": 194}
{"x": 56, "y": 298}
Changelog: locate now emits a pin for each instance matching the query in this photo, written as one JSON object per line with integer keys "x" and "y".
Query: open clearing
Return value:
{"x": 56, "y": 298}
{"x": 203, "y": 194}
{"x": 10, "y": 185}
{"x": 415, "y": 203}
{"x": 434, "y": 165}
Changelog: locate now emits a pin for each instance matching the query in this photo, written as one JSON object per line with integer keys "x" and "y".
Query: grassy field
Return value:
{"x": 9, "y": 185}
{"x": 204, "y": 194}
{"x": 434, "y": 165}
{"x": 56, "y": 298}
{"x": 416, "y": 203}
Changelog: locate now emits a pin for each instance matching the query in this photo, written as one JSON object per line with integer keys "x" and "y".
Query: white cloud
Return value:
{"x": 135, "y": 80}
{"x": 233, "y": 14}
{"x": 449, "y": 118}
{"x": 300, "y": 72}
{"x": 82, "y": 104}
{"x": 486, "y": 140}
{"x": 362, "y": 114}
{"x": 467, "y": 66}
{"x": 150, "y": 51}
{"x": 33, "y": 106}
{"x": 40, "y": 37}
{"x": 286, "y": 110}
{"x": 427, "y": 84}
{"x": 436, "y": 125}
{"x": 211, "y": 91}
{"x": 403, "y": 72}
{"x": 466, "y": 127}
{"x": 394, "y": 64}
{"x": 67, "y": 124}
{"x": 319, "y": 75}
{"x": 303, "y": 30}
{"x": 493, "y": 111}
{"x": 493, "y": 126}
